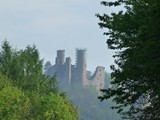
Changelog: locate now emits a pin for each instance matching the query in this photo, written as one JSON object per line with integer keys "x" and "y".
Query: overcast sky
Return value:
{"x": 56, "y": 24}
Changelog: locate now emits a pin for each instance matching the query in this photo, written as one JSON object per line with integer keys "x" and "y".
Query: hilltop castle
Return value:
{"x": 69, "y": 74}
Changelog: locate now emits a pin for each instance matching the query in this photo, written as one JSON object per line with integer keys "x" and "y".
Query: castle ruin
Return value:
{"x": 76, "y": 74}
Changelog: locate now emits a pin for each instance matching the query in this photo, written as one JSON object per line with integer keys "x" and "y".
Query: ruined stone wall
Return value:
{"x": 77, "y": 74}
{"x": 68, "y": 70}
{"x": 98, "y": 78}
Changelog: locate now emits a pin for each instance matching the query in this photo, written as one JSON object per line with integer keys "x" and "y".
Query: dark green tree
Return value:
{"x": 134, "y": 33}
{"x": 6, "y": 58}
{"x": 24, "y": 68}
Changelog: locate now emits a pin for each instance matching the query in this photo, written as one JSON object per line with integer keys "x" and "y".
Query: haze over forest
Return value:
{"x": 38, "y": 83}
{"x": 50, "y": 26}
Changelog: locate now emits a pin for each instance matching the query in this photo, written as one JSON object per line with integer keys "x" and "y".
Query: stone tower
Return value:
{"x": 60, "y": 57}
{"x": 68, "y": 70}
{"x": 80, "y": 65}
{"x": 68, "y": 74}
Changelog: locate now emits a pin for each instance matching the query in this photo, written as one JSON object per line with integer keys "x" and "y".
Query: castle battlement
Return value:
{"x": 71, "y": 74}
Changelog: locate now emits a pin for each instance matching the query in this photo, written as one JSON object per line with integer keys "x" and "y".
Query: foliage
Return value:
{"x": 134, "y": 33}
{"x": 55, "y": 107}
{"x": 14, "y": 104}
{"x": 24, "y": 68}
{"x": 25, "y": 91}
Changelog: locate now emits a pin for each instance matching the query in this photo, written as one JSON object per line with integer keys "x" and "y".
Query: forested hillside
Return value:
{"x": 87, "y": 102}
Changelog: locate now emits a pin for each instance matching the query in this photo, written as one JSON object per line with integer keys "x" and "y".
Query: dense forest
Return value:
{"x": 26, "y": 93}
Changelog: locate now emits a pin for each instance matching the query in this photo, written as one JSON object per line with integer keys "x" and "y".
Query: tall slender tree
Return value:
{"x": 134, "y": 33}
{"x": 5, "y": 58}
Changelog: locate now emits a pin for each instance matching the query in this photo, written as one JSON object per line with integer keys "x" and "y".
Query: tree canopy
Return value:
{"x": 26, "y": 92}
{"x": 134, "y": 33}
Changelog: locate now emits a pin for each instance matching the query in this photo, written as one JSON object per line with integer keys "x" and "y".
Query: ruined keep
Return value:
{"x": 76, "y": 74}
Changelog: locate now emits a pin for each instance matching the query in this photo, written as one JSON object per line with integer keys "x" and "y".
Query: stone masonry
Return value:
{"x": 76, "y": 74}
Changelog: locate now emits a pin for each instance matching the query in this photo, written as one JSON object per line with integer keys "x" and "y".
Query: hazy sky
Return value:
{"x": 56, "y": 24}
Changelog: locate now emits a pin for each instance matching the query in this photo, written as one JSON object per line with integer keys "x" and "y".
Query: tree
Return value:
{"x": 5, "y": 58}
{"x": 54, "y": 107}
{"x": 24, "y": 68}
{"x": 134, "y": 33}
{"x": 14, "y": 104}
{"x": 25, "y": 91}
